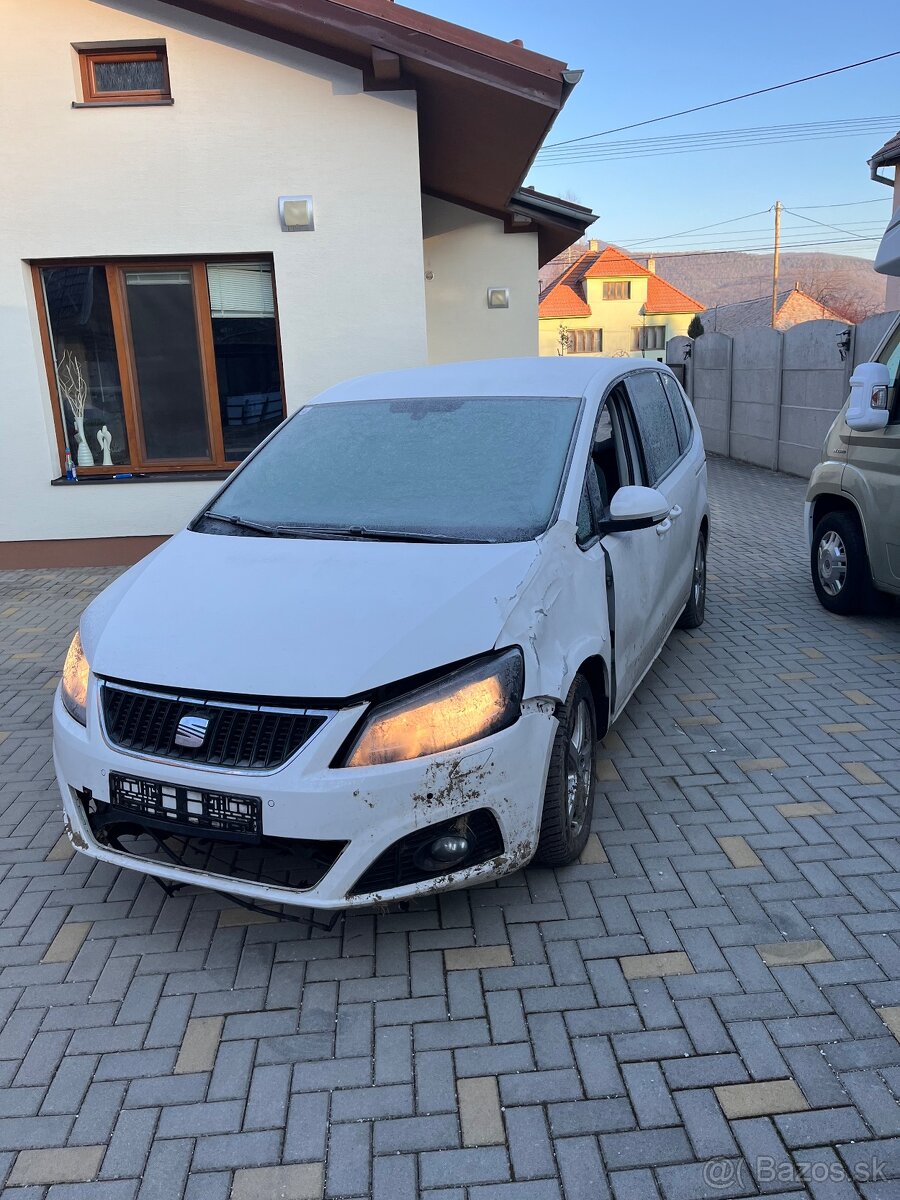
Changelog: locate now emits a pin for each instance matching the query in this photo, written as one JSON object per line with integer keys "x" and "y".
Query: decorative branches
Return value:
{"x": 72, "y": 384}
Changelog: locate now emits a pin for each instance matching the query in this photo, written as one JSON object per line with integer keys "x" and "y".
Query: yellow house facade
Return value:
{"x": 606, "y": 303}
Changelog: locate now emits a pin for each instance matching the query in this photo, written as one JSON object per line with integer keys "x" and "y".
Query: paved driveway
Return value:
{"x": 709, "y": 1005}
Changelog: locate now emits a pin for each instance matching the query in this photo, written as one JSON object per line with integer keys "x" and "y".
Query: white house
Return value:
{"x": 213, "y": 209}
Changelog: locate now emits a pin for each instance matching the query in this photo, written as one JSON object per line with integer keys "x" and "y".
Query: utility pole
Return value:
{"x": 775, "y": 261}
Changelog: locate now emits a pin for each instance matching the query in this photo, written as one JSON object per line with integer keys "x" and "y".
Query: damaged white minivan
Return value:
{"x": 379, "y": 662}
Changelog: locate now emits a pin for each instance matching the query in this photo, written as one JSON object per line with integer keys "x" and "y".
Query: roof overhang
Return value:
{"x": 484, "y": 105}
{"x": 557, "y": 222}
{"x": 887, "y": 156}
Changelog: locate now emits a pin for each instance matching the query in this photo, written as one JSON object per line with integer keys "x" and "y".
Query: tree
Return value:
{"x": 695, "y": 329}
{"x": 562, "y": 340}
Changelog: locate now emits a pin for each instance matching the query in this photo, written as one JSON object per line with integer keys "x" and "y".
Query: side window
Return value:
{"x": 679, "y": 412}
{"x": 655, "y": 423}
{"x": 891, "y": 358}
{"x": 585, "y": 528}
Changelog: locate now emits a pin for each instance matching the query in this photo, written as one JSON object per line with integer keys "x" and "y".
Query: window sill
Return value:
{"x": 150, "y": 477}
{"x": 123, "y": 103}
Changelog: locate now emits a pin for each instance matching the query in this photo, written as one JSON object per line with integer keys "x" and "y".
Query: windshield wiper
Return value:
{"x": 362, "y": 532}
{"x": 241, "y": 523}
{"x": 344, "y": 532}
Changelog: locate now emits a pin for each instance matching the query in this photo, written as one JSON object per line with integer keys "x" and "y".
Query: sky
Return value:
{"x": 645, "y": 60}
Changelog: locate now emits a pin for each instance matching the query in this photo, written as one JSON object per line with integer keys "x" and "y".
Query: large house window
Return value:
{"x": 585, "y": 341}
{"x": 617, "y": 289}
{"x": 648, "y": 337}
{"x": 138, "y": 74}
{"x": 161, "y": 366}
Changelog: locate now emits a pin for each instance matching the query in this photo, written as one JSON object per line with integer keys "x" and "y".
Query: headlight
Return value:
{"x": 75, "y": 681}
{"x": 473, "y": 702}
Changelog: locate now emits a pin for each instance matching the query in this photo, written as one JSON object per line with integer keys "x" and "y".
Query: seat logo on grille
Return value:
{"x": 191, "y": 731}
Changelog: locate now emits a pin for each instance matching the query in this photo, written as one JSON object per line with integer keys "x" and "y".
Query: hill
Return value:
{"x": 847, "y": 284}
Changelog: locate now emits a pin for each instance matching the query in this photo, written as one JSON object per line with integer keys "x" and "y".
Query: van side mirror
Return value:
{"x": 635, "y": 508}
{"x": 867, "y": 411}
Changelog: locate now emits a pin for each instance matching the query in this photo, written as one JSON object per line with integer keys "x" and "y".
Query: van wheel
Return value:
{"x": 695, "y": 609}
{"x": 569, "y": 796}
{"x": 840, "y": 565}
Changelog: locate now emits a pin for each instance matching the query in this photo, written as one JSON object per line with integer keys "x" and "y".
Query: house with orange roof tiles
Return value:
{"x": 607, "y": 303}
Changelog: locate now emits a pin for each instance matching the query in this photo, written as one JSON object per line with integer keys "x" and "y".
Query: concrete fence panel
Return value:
{"x": 678, "y": 357}
{"x": 815, "y": 382}
{"x": 711, "y": 389}
{"x": 756, "y": 396}
{"x": 868, "y": 335}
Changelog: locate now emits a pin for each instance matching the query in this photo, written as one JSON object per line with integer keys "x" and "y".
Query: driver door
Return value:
{"x": 635, "y": 560}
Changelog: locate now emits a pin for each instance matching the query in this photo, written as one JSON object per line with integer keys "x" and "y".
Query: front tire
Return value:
{"x": 569, "y": 796}
{"x": 840, "y": 565}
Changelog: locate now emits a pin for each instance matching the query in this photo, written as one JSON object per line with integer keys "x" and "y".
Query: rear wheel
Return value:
{"x": 695, "y": 609}
{"x": 569, "y": 796}
{"x": 840, "y": 565}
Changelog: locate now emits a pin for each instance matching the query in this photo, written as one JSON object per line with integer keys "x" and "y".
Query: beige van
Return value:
{"x": 853, "y": 502}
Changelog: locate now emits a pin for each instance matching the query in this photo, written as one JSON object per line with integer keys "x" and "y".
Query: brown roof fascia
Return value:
{"x": 556, "y": 231}
{"x": 888, "y": 155}
{"x": 348, "y": 32}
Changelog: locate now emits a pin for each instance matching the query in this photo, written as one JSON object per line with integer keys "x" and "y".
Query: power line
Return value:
{"x": 731, "y": 131}
{"x": 848, "y": 204}
{"x": 694, "y": 143}
{"x": 698, "y": 228}
{"x": 813, "y": 221}
{"x": 730, "y": 100}
{"x": 741, "y": 234}
{"x": 738, "y": 249}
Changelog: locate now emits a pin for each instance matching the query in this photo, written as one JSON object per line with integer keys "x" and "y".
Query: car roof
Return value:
{"x": 551, "y": 376}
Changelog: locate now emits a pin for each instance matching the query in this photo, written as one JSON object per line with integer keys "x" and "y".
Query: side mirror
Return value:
{"x": 867, "y": 411}
{"x": 636, "y": 508}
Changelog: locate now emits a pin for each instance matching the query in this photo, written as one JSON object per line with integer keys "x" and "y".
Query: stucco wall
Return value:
{"x": 252, "y": 120}
{"x": 466, "y": 253}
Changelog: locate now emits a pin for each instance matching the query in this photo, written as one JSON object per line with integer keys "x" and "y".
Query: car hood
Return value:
{"x": 300, "y": 617}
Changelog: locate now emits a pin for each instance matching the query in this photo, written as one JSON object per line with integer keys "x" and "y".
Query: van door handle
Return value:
{"x": 675, "y": 511}
{"x": 663, "y": 527}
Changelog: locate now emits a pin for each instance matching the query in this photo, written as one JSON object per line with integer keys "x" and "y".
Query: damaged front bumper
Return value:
{"x": 330, "y": 838}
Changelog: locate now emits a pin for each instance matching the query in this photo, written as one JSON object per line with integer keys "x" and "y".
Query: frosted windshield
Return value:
{"x": 467, "y": 469}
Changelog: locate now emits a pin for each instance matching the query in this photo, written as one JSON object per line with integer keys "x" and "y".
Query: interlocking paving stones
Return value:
{"x": 480, "y": 1118}
{"x": 760, "y": 1099}
{"x": 187, "y": 1049}
{"x": 794, "y": 954}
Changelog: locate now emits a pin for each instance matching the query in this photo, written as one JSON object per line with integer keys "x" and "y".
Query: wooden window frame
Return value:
{"x": 641, "y": 335}
{"x": 89, "y": 92}
{"x": 609, "y": 285}
{"x": 580, "y": 338}
{"x": 115, "y": 270}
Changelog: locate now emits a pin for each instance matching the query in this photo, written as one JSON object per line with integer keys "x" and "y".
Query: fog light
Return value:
{"x": 449, "y": 849}
{"x": 444, "y": 853}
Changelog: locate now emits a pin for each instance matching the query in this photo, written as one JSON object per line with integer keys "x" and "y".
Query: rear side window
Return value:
{"x": 655, "y": 423}
{"x": 679, "y": 411}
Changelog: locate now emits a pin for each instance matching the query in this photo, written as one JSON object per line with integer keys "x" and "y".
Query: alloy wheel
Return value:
{"x": 832, "y": 563}
{"x": 580, "y": 754}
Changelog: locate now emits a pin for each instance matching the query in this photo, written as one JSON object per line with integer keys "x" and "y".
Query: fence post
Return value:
{"x": 729, "y": 377}
{"x": 780, "y": 377}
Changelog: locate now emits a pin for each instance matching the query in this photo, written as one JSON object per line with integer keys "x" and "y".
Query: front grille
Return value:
{"x": 221, "y": 855}
{"x": 397, "y": 866}
{"x": 245, "y": 736}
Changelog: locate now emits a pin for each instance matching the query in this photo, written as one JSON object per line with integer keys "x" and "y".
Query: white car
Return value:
{"x": 379, "y": 663}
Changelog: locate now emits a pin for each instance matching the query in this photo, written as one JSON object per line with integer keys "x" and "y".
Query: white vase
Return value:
{"x": 85, "y": 458}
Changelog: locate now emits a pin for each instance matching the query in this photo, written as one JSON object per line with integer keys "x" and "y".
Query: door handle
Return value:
{"x": 663, "y": 527}
{"x": 675, "y": 511}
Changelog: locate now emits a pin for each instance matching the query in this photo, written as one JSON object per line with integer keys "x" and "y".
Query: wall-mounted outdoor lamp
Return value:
{"x": 498, "y": 297}
{"x": 296, "y": 213}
